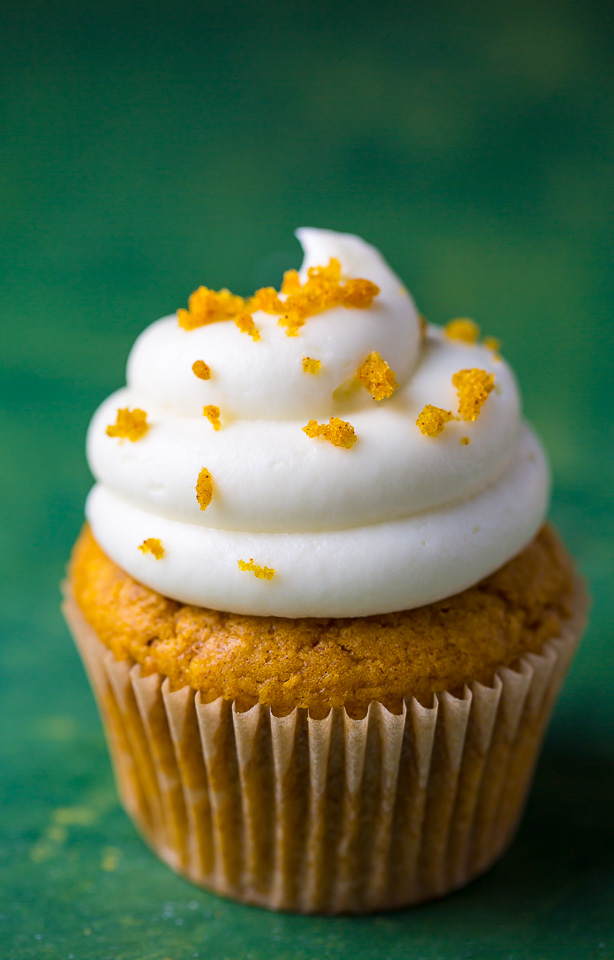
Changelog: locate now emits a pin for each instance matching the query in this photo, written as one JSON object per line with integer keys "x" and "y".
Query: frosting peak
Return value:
{"x": 266, "y": 381}
{"x": 316, "y": 465}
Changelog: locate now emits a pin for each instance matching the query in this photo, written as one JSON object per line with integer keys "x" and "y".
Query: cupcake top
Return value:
{"x": 320, "y": 451}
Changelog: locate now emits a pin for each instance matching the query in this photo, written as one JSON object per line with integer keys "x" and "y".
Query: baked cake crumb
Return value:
{"x": 154, "y": 546}
{"x": 358, "y": 293}
{"x": 209, "y": 306}
{"x": 291, "y": 282}
{"x": 432, "y": 420}
{"x": 322, "y": 289}
{"x": 465, "y": 441}
{"x": 130, "y": 425}
{"x": 462, "y": 328}
{"x": 473, "y": 387}
{"x": 212, "y": 414}
{"x": 311, "y": 366}
{"x": 377, "y": 377}
{"x": 261, "y": 573}
{"x": 204, "y": 488}
{"x": 245, "y": 323}
{"x": 493, "y": 344}
{"x": 267, "y": 300}
{"x": 339, "y": 432}
{"x": 201, "y": 370}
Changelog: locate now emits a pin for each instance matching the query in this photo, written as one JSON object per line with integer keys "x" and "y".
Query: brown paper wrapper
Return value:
{"x": 334, "y": 815}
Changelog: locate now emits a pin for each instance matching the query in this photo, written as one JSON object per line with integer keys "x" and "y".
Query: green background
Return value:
{"x": 149, "y": 147}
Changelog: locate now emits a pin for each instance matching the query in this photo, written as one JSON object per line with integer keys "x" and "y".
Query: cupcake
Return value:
{"x": 322, "y": 613}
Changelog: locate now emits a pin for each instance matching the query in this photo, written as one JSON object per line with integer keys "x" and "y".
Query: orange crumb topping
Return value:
{"x": 322, "y": 289}
{"x": 245, "y": 323}
{"x": 473, "y": 387}
{"x": 358, "y": 293}
{"x": 209, "y": 306}
{"x": 267, "y": 300}
{"x": 154, "y": 546}
{"x": 201, "y": 370}
{"x": 292, "y": 321}
{"x": 462, "y": 329}
{"x": 261, "y": 573}
{"x": 493, "y": 344}
{"x": 465, "y": 441}
{"x": 291, "y": 282}
{"x": 339, "y": 432}
{"x": 213, "y": 415}
{"x": 377, "y": 377}
{"x": 204, "y": 488}
{"x": 432, "y": 420}
{"x": 310, "y": 365}
{"x": 130, "y": 425}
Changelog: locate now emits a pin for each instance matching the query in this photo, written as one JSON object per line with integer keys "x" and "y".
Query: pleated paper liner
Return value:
{"x": 326, "y": 815}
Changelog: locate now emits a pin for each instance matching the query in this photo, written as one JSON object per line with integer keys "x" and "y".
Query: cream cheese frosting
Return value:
{"x": 397, "y": 521}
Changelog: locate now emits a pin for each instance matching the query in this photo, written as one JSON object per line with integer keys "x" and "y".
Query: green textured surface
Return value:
{"x": 149, "y": 147}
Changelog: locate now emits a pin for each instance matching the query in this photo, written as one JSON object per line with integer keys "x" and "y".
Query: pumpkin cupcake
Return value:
{"x": 322, "y": 615}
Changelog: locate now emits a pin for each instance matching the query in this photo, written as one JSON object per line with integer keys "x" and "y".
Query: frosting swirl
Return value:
{"x": 397, "y": 521}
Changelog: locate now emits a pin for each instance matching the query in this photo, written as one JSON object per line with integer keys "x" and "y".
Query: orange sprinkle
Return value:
{"x": 261, "y": 573}
{"x": 153, "y": 546}
{"x": 245, "y": 323}
{"x": 377, "y": 377}
{"x": 213, "y": 415}
{"x": 473, "y": 387}
{"x": 201, "y": 370}
{"x": 462, "y": 329}
{"x": 339, "y": 432}
{"x": 130, "y": 425}
{"x": 432, "y": 420}
{"x": 311, "y": 366}
{"x": 465, "y": 441}
{"x": 204, "y": 488}
{"x": 209, "y": 306}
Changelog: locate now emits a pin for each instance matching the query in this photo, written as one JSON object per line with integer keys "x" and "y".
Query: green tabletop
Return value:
{"x": 148, "y": 147}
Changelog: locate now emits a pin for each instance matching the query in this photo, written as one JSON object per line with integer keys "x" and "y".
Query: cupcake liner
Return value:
{"x": 326, "y": 815}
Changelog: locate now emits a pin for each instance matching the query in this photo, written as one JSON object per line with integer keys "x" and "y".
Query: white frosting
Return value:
{"x": 397, "y": 521}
